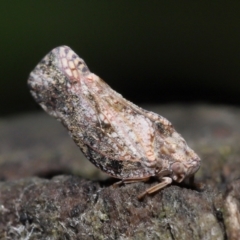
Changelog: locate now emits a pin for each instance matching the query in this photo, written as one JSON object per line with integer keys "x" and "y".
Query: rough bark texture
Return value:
{"x": 38, "y": 202}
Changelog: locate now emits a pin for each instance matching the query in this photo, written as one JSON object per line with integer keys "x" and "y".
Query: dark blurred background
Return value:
{"x": 149, "y": 51}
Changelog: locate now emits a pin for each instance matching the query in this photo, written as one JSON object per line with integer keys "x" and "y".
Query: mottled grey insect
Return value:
{"x": 120, "y": 138}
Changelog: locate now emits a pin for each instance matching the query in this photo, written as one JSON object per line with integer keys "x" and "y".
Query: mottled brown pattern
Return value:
{"x": 117, "y": 136}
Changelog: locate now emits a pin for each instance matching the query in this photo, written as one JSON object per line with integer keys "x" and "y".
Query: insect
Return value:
{"x": 120, "y": 138}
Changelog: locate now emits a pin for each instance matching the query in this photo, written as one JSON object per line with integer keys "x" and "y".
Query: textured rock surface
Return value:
{"x": 79, "y": 209}
{"x": 53, "y": 206}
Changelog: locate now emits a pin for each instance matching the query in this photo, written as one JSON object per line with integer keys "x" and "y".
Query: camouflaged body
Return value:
{"x": 117, "y": 136}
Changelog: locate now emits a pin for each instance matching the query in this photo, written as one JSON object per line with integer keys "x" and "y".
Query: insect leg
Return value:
{"x": 131, "y": 180}
{"x": 166, "y": 181}
{"x": 191, "y": 181}
{"x": 197, "y": 186}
